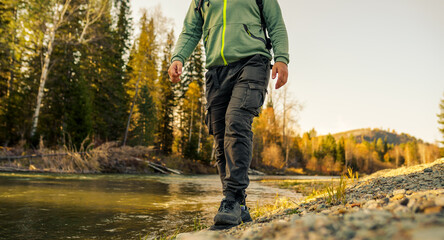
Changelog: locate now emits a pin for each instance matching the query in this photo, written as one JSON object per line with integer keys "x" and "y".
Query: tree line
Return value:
{"x": 331, "y": 155}
{"x": 73, "y": 71}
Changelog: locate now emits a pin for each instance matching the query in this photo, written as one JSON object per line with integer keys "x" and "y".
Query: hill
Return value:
{"x": 371, "y": 135}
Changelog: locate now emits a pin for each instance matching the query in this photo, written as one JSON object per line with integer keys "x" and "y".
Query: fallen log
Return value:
{"x": 158, "y": 167}
{"x": 255, "y": 172}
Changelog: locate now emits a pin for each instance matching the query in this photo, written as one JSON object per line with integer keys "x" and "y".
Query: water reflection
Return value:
{"x": 54, "y": 206}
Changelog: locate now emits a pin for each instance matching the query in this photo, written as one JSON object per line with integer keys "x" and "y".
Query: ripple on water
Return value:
{"x": 111, "y": 206}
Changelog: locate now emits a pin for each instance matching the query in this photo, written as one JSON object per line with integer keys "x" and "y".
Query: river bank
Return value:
{"x": 109, "y": 157}
{"x": 403, "y": 203}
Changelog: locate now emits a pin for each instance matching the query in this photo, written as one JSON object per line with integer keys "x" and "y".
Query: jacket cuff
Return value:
{"x": 177, "y": 58}
{"x": 281, "y": 59}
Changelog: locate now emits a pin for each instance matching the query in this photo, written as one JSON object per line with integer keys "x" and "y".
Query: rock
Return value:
{"x": 342, "y": 210}
{"x": 398, "y": 197}
{"x": 427, "y": 170}
{"x": 391, "y": 206}
{"x": 427, "y": 204}
{"x": 404, "y": 201}
{"x": 372, "y": 204}
{"x": 384, "y": 201}
{"x": 439, "y": 201}
{"x": 368, "y": 196}
{"x": 355, "y": 205}
{"x": 431, "y": 210}
{"x": 399, "y": 191}
{"x": 326, "y": 212}
{"x": 400, "y": 209}
{"x": 320, "y": 207}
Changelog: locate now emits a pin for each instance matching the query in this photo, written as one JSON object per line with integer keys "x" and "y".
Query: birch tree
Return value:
{"x": 60, "y": 13}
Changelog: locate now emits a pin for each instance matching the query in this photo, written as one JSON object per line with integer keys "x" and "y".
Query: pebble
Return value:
{"x": 439, "y": 201}
{"x": 398, "y": 197}
{"x": 430, "y": 210}
{"x": 399, "y": 192}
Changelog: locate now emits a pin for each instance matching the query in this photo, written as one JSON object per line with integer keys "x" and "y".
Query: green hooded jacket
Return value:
{"x": 231, "y": 30}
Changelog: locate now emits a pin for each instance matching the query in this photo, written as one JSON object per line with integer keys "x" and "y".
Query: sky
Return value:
{"x": 358, "y": 63}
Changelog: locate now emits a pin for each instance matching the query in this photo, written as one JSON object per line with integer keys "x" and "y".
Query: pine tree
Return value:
{"x": 143, "y": 133}
{"x": 103, "y": 66}
{"x": 7, "y": 22}
{"x": 123, "y": 30}
{"x": 165, "y": 135}
{"x": 340, "y": 151}
{"x": 143, "y": 60}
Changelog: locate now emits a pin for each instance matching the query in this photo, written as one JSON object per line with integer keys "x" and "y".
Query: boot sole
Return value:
{"x": 222, "y": 227}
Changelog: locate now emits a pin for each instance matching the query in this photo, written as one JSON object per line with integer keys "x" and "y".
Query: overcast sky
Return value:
{"x": 358, "y": 63}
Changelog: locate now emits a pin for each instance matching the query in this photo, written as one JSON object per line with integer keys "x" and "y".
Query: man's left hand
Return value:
{"x": 281, "y": 70}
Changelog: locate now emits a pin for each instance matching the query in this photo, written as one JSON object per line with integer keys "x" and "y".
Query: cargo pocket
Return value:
{"x": 254, "y": 98}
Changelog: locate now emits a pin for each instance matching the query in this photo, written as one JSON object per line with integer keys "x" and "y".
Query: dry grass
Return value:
{"x": 108, "y": 157}
{"x": 335, "y": 193}
{"x": 280, "y": 204}
{"x": 295, "y": 171}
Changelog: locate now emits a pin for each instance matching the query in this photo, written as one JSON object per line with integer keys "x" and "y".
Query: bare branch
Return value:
{"x": 88, "y": 21}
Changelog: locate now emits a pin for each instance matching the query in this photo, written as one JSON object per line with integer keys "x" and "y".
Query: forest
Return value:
{"x": 83, "y": 72}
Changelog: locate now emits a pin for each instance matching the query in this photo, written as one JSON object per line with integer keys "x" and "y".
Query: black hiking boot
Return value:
{"x": 245, "y": 214}
{"x": 229, "y": 213}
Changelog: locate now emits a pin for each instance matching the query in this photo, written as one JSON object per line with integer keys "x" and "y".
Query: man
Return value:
{"x": 238, "y": 63}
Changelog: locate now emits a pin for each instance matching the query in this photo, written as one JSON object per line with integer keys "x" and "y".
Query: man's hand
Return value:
{"x": 281, "y": 70}
{"x": 175, "y": 70}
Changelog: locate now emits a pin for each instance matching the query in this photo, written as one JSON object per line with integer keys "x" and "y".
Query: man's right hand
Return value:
{"x": 175, "y": 71}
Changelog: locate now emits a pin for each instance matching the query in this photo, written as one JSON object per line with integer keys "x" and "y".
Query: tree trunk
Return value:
{"x": 200, "y": 126}
{"x": 58, "y": 19}
{"x": 13, "y": 60}
{"x": 191, "y": 122}
{"x": 284, "y": 134}
{"x": 43, "y": 77}
{"x": 132, "y": 104}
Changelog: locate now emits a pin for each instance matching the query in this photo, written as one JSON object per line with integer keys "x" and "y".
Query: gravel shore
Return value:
{"x": 403, "y": 203}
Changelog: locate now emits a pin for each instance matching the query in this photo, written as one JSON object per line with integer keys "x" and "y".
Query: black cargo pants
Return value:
{"x": 235, "y": 94}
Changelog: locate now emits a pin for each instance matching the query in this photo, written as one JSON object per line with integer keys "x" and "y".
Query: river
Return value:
{"x": 111, "y": 206}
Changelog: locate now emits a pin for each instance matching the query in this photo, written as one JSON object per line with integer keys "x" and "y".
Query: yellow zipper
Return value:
{"x": 223, "y": 33}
